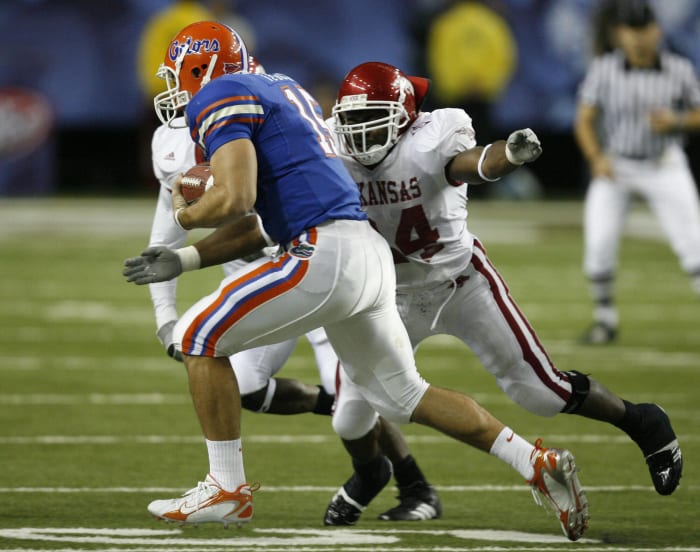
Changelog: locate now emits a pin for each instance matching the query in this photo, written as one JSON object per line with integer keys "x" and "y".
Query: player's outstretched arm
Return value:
{"x": 491, "y": 162}
{"x": 232, "y": 240}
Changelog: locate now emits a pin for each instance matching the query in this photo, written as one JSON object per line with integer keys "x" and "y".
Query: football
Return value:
{"x": 196, "y": 181}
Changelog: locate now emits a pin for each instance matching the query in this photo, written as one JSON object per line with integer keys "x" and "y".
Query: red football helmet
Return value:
{"x": 376, "y": 97}
{"x": 200, "y": 52}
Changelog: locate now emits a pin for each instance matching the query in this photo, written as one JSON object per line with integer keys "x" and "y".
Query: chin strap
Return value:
{"x": 210, "y": 70}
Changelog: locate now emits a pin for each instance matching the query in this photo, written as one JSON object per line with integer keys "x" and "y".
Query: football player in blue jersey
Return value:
{"x": 278, "y": 180}
{"x": 173, "y": 153}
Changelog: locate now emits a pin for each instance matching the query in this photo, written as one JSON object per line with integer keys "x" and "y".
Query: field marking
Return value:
{"x": 327, "y": 489}
{"x": 19, "y": 399}
{"x": 311, "y": 540}
{"x": 156, "y": 398}
{"x": 644, "y": 359}
{"x": 289, "y": 439}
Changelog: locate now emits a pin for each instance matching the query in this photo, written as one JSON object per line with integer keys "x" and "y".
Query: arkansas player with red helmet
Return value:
{"x": 413, "y": 169}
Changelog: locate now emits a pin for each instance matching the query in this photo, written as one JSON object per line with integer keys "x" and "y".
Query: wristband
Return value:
{"x": 176, "y": 216}
{"x": 265, "y": 235}
{"x": 189, "y": 258}
{"x": 479, "y": 166}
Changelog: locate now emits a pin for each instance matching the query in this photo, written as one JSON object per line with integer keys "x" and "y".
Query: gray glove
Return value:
{"x": 156, "y": 264}
{"x": 523, "y": 146}
{"x": 165, "y": 335}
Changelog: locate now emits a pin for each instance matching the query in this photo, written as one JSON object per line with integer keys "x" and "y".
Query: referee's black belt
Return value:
{"x": 636, "y": 156}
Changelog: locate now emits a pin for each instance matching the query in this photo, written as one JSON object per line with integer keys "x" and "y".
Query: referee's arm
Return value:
{"x": 667, "y": 121}
{"x": 587, "y": 139}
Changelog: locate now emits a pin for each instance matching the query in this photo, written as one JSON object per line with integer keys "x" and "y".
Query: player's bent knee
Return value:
{"x": 351, "y": 422}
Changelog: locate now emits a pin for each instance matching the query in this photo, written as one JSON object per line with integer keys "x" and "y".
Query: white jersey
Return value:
{"x": 417, "y": 209}
{"x": 172, "y": 153}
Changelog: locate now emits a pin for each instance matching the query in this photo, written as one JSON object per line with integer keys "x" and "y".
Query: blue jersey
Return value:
{"x": 301, "y": 180}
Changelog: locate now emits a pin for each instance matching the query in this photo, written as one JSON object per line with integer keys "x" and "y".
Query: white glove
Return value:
{"x": 523, "y": 146}
{"x": 165, "y": 336}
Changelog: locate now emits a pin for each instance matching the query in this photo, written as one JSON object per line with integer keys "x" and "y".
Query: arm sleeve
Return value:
{"x": 165, "y": 232}
{"x": 449, "y": 133}
{"x": 589, "y": 90}
{"x": 691, "y": 87}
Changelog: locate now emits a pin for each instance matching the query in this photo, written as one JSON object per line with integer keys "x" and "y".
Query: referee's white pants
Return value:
{"x": 667, "y": 185}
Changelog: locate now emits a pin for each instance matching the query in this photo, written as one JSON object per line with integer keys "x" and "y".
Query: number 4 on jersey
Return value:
{"x": 414, "y": 233}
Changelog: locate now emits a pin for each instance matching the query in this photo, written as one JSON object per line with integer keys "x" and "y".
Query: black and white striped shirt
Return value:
{"x": 625, "y": 96}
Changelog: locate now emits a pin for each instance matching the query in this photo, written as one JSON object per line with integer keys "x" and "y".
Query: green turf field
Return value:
{"x": 96, "y": 421}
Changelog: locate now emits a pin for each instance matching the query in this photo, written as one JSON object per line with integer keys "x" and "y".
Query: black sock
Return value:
{"x": 324, "y": 403}
{"x": 407, "y": 472}
{"x": 369, "y": 479}
{"x": 632, "y": 420}
{"x": 647, "y": 425}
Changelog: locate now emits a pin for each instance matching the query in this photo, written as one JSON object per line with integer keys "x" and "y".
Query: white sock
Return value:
{"x": 607, "y": 314}
{"x": 226, "y": 463}
{"x": 695, "y": 281}
{"x": 514, "y": 450}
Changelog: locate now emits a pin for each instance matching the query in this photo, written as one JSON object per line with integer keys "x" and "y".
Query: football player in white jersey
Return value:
{"x": 412, "y": 170}
{"x": 173, "y": 152}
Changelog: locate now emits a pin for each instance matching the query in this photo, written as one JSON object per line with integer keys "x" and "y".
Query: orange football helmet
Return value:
{"x": 376, "y": 97}
{"x": 254, "y": 66}
{"x": 200, "y": 52}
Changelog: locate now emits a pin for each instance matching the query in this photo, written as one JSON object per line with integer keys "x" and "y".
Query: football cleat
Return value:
{"x": 343, "y": 510}
{"x": 666, "y": 462}
{"x": 357, "y": 492}
{"x": 666, "y": 468}
{"x": 417, "y": 502}
{"x": 555, "y": 479}
{"x": 599, "y": 334}
{"x": 208, "y": 503}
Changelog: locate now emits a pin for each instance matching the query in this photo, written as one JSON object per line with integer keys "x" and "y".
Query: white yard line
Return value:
{"x": 285, "y": 439}
{"x": 311, "y": 540}
{"x": 327, "y": 489}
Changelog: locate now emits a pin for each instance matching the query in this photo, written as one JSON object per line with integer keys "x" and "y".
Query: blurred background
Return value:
{"x": 77, "y": 76}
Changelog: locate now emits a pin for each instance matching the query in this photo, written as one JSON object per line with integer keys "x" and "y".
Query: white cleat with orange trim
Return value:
{"x": 208, "y": 503}
{"x": 555, "y": 479}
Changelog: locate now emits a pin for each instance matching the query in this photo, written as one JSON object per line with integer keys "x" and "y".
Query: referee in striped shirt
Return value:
{"x": 635, "y": 105}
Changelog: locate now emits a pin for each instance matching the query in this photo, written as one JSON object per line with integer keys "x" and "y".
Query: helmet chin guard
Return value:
{"x": 368, "y": 128}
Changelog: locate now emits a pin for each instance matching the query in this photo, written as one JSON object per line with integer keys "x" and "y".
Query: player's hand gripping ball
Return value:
{"x": 195, "y": 182}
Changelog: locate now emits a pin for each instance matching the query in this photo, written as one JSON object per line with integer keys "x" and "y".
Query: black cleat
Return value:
{"x": 599, "y": 334}
{"x": 666, "y": 468}
{"x": 357, "y": 492}
{"x": 665, "y": 460}
{"x": 342, "y": 510}
{"x": 417, "y": 502}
